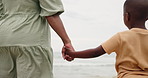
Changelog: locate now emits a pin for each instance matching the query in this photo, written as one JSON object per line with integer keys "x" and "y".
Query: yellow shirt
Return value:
{"x": 131, "y": 48}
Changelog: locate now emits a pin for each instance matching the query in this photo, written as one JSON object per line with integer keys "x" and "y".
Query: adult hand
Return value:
{"x": 65, "y": 56}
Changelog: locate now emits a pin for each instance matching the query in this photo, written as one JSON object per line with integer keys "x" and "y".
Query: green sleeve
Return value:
{"x": 50, "y": 7}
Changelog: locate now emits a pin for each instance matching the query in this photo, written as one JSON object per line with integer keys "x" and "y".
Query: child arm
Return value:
{"x": 89, "y": 53}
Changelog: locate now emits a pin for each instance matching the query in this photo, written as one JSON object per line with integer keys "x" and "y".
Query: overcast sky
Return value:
{"x": 90, "y": 22}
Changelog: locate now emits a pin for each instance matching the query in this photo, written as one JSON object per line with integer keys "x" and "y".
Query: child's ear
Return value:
{"x": 127, "y": 16}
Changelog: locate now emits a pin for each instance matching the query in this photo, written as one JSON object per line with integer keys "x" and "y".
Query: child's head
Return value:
{"x": 135, "y": 12}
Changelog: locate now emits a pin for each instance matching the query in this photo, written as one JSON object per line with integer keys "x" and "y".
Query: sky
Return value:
{"x": 90, "y": 22}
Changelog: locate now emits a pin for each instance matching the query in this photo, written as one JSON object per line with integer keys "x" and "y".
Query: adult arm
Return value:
{"x": 57, "y": 25}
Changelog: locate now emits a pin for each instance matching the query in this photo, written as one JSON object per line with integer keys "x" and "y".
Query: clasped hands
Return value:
{"x": 66, "y": 50}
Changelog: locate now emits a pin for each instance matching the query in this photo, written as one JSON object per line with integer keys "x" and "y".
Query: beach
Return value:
{"x": 101, "y": 67}
{"x": 81, "y": 72}
{"x": 88, "y": 24}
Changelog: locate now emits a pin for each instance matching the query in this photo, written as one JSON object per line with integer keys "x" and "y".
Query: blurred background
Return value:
{"x": 88, "y": 24}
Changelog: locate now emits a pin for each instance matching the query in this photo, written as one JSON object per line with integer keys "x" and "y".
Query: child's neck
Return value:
{"x": 138, "y": 25}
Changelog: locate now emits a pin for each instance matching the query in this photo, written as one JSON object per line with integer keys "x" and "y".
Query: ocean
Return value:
{"x": 88, "y": 24}
{"x": 100, "y": 67}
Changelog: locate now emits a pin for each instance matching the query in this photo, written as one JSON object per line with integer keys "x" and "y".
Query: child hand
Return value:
{"x": 68, "y": 58}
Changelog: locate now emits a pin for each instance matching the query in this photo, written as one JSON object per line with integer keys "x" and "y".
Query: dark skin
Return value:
{"x": 133, "y": 18}
{"x": 57, "y": 25}
{"x": 135, "y": 13}
{"x": 90, "y": 53}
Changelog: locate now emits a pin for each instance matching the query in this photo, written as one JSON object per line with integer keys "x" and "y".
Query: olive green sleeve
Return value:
{"x": 50, "y": 7}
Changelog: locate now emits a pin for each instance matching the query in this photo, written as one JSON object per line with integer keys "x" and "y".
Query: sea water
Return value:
{"x": 88, "y": 24}
{"x": 100, "y": 67}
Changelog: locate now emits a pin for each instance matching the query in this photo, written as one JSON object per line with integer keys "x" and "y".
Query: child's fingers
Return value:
{"x": 68, "y": 58}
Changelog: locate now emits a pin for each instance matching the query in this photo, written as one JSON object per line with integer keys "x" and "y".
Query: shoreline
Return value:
{"x": 69, "y": 76}
{"x": 79, "y": 71}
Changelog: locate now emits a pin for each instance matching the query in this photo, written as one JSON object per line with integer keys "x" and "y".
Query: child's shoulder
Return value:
{"x": 135, "y": 31}
{"x": 125, "y": 32}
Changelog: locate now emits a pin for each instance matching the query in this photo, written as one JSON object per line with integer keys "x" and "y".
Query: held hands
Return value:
{"x": 66, "y": 51}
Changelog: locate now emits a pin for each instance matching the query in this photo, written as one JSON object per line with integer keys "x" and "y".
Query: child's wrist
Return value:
{"x": 73, "y": 54}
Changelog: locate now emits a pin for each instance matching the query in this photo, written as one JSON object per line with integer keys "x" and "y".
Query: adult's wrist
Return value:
{"x": 68, "y": 42}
